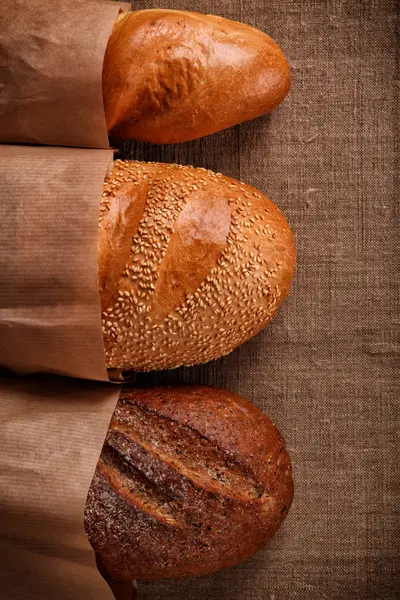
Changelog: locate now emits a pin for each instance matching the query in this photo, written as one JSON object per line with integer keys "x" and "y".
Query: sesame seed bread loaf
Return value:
{"x": 172, "y": 76}
{"x": 191, "y": 264}
{"x": 191, "y": 480}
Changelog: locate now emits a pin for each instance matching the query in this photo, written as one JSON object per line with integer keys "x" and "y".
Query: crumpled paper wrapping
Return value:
{"x": 53, "y": 428}
{"x": 49, "y": 301}
{"x": 52, "y": 433}
{"x": 51, "y": 59}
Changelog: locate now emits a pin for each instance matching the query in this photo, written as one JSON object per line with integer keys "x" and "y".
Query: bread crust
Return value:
{"x": 191, "y": 480}
{"x": 173, "y": 76}
{"x": 191, "y": 264}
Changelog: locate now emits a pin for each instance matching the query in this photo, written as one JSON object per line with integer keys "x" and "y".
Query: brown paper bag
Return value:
{"x": 50, "y": 321}
{"x": 53, "y": 428}
{"x": 52, "y": 433}
{"x": 51, "y": 66}
{"x": 49, "y": 301}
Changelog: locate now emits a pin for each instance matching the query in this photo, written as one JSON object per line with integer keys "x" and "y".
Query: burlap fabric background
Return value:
{"x": 325, "y": 369}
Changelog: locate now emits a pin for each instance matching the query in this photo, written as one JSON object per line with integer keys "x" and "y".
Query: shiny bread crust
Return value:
{"x": 191, "y": 264}
{"x": 172, "y": 76}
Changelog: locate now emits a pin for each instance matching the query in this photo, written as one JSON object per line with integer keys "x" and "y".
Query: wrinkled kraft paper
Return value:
{"x": 50, "y": 321}
{"x": 51, "y": 58}
{"x": 52, "y": 433}
{"x": 49, "y": 301}
{"x": 52, "y": 430}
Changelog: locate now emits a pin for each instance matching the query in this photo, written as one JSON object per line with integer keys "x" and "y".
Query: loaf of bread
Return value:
{"x": 172, "y": 76}
{"x": 191, "y": 480}
{"x": 191, "y": 264}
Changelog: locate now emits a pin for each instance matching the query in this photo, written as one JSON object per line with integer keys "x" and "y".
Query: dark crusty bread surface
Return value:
{"x": 172, "y": 76}
{"x": 191, "y": 480}
{"x": 191, "y": 264}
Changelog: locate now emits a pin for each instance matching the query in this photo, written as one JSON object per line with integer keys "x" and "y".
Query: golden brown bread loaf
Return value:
{"x": 172, "y": 76}
{"x": 191, "y": 480}
{"x": 191, "y": 264}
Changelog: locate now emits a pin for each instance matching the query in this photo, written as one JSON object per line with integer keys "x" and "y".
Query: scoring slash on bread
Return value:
{"x": 191, "y": 480}
{"x": 173, "y": 76}
{"x": 191, "y": 264}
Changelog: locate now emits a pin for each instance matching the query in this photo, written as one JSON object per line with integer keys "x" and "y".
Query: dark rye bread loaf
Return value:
{"x": 191, "y": 264}
{"x": 191, "y": 480}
